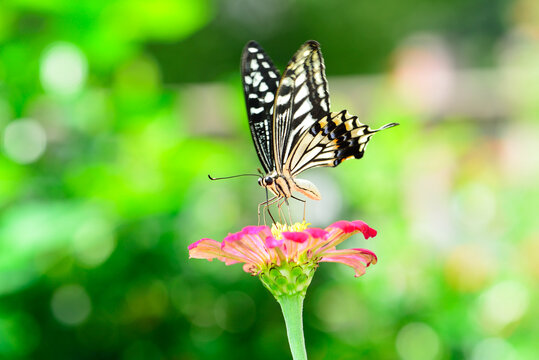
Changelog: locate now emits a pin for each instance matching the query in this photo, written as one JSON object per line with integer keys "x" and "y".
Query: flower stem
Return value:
{"x": 292, "y": 307}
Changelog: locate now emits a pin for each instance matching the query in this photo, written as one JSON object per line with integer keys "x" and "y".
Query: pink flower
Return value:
{"x": 262, "y": 249}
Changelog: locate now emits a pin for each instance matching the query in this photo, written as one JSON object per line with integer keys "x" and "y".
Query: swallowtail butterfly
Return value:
{"x": 291, "y": 123}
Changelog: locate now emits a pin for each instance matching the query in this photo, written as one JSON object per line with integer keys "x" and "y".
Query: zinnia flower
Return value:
{"x": 285, "y": 257}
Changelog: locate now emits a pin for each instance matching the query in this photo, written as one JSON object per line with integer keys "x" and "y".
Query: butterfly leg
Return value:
{"x": 266, "y": 204}
{"x": 289, "y": 214}
{"x": 281, "y": 213}
{"x": 275, "y": 200}
{"x": 281, "y": 216}
{"x": 304, "y": 205}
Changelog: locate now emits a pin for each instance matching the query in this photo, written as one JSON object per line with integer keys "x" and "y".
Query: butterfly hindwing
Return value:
{"x": 301, "y": 100}
{"x": 330, "y": 141}
{"x": 260, "y": 81}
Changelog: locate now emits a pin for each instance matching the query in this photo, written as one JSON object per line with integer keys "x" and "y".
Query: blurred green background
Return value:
{"x": 113, "y": 112}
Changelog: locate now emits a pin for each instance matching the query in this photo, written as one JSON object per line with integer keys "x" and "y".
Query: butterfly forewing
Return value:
{"x": 330, "y": 141}
{"x": 260, "y": 81}
{"x": 301, "y": 100}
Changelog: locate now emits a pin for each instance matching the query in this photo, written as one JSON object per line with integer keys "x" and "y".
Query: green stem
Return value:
{"x": 292, "y": 307}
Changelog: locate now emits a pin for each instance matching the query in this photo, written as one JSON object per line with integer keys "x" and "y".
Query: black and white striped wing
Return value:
{"x": 301, "y": 100}
{"x": 330, "y": 141}
{"x": 260, "y": 81}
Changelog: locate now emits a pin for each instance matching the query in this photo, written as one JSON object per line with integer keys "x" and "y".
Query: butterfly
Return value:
{"x": 291, "y": 123}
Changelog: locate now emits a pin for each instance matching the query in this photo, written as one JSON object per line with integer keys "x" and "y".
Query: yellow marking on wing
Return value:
{"x": 349, "y": 125}
{"x": 337, "y": 121}
{"x": 357, "y": 132}
{"x": 323, "y": 122}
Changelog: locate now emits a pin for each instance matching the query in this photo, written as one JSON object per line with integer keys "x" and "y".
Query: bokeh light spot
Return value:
{"x": 93, "y": 242}
{"x": 475, "y": 205}
{"x": 493, "y": 349}
{"x": 417, "y": 341}
{"x": 24, "y": 140}
{"x": 201, "y": 336}
{"x": 424, "y": 74}
{"x": 200, "y": 309}
{"x": 148, "y": 300}
{"x": 338, "y": 309}
{"x": 140, "y": 75}
{"x": 71, "y": 304}
{"x": 502, "y": 304}
{"x": 63, "y": 69}
{"x": 469, "y": 267}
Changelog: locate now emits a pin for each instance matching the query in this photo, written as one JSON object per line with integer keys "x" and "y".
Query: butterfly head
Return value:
{"x": 265, "y": 181}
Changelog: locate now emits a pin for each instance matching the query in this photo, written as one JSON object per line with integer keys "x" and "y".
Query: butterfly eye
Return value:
{"x": 268, "y": 180}
{"x": 260, "y": 181}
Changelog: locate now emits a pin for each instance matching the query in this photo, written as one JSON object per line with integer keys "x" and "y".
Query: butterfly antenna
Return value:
{"x": 231, "y": 177}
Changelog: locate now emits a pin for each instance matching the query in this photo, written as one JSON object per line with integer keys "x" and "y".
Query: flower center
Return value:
{"x": 278, "y": 228}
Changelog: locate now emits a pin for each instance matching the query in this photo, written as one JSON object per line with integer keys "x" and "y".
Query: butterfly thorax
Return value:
{"x": 283, "y": 186}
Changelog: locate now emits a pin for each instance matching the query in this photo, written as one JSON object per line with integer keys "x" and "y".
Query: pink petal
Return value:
{"x": 345, "y": 226}
{"x": 299, "y": 237}
{"x": 236, "y": 247}
{"x": 253, "y": 230}
{"x": 195, "y": 244}
{"x": 358, "y": 259}
{"x": 231, "y": 237}
{"x": 251, "y": 268}
{"x": 271, "y": 242}
{"x": 205, "y": 249}
{"x": 368, "y": 255}
{"x": 317, "y": 233}
{"x": 247, "y": 248}
{"x": 367, "y": 231}
{"x": 351, "y": 226}
{"x": 230, "y": 261}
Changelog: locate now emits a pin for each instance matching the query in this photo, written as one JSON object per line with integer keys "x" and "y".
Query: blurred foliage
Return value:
{"x": 112, "y": 113}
